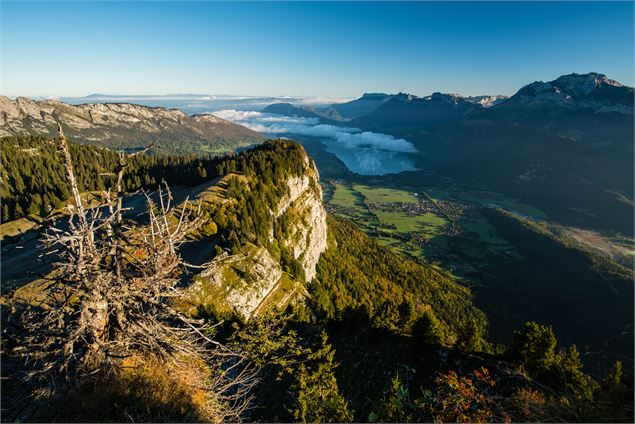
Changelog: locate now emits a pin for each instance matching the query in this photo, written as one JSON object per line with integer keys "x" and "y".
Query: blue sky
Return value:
{"x": 314, "y": 49}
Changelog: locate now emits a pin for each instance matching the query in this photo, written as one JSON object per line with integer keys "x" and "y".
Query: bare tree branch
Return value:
{"x": 111, "y": 296}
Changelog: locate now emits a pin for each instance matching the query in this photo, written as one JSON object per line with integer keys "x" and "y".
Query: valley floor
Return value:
{"x": 492, "y": 243}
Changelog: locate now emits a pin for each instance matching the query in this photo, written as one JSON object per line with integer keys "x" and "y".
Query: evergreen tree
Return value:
{"x": 317, "y": 398}
{"x": 34, "y": 183}
{"x": 427, "y": 329}
{"x": 573, "y": 379}
{"x": 534, "y": 345}
{"x": 406, "y": 313}
{"x": 471, "y": 338}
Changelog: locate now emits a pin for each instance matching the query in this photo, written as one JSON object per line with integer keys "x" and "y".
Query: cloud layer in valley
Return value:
{"x": 350, "y": 138}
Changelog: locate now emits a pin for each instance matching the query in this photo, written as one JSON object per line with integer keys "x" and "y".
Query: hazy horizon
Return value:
{"x": 299, "y": 98}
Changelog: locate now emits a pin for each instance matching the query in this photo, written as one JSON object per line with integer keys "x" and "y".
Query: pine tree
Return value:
{"x": 315, "y": 390}
{"x": 574, "y": 380}
{"x": 534, "y": 345}
{"x": 427, "y": 329}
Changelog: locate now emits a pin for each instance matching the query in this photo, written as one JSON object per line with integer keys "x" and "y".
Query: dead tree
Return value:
{"x": 111, "y": 296}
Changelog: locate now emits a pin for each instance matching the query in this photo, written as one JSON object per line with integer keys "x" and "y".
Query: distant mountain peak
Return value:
{"x": 576, "y": 84}
{"x": 405, "y": 96}
{"x": 365, "y": 104}
{"x": 487, "y": 101}
{"x": 584, "y": 84}
{"x": 374, "y": 96}
{"x": 448, "y": 97}
{"x": 591, "y": 91}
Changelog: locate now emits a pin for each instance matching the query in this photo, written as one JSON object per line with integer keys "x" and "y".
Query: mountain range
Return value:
{"x": 565, "y": 145}
{"x": 581, "y": 93}
{"x": 125, "y": 126}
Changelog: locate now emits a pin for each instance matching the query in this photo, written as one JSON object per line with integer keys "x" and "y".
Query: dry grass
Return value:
{"x": 144, "y": 389}
{"x": 215, "y": 190}
{"x": 17, "y": 226}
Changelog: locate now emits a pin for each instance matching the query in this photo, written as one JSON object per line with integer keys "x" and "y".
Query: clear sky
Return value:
{"x": 313, "y": 49}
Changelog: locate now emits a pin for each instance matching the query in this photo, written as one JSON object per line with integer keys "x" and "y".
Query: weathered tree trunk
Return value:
{"x": 70, "y": 175}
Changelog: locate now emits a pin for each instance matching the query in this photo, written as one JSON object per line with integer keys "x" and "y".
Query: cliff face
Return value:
{"x": 253, "y": 279}
{"x": 307, "y": 234}
{"x": 124, "y": 126}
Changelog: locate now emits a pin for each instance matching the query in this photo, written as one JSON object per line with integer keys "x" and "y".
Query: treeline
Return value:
{"x": 33, "y": 179}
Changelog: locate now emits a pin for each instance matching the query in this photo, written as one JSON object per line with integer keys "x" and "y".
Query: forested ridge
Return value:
{"x": 542, "y": 280}
{"x": 33, "y": 180}
{"x": 354, "y": 273}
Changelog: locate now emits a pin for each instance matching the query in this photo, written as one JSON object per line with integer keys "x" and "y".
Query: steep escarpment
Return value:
{"x": 266, "y": 223}
{"x": 307, "y": 232}
{"x": 267, "y": 244}
{"x": 124, "y": 126}
{"x": 271, "y": 232}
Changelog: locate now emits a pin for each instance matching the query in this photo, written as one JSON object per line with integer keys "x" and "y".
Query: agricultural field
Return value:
{"x": 437, "y": 226}
{"x": 342, "y": 200}
{"x": 347, "y": 197}
{"x": 385, "y": 195}
{"x": 429, "y": 224}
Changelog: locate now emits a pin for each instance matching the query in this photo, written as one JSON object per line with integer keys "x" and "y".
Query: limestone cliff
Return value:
{"x": 307, "y": 234}
{"x": 254, "y": 279}
{"x": 239, "y": 283}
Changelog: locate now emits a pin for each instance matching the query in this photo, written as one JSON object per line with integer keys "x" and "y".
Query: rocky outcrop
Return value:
{"x": 486, "y": 101}
{"x": 237, "y": 283}
{"x": 307, "y": 233}
{"x": 253, "y": 279}
{"x": 124, "y": 126}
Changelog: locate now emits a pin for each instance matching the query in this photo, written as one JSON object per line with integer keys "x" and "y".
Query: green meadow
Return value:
{"x": 428, "y": 235}
{"x": 385, "y": 195}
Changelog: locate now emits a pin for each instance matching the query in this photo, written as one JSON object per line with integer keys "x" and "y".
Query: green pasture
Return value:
{"x": 385, "y": 195}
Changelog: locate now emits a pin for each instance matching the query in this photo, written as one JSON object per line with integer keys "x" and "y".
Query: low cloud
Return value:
{"x": 347, "y": 137}
{"x": 376, "y": 140}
